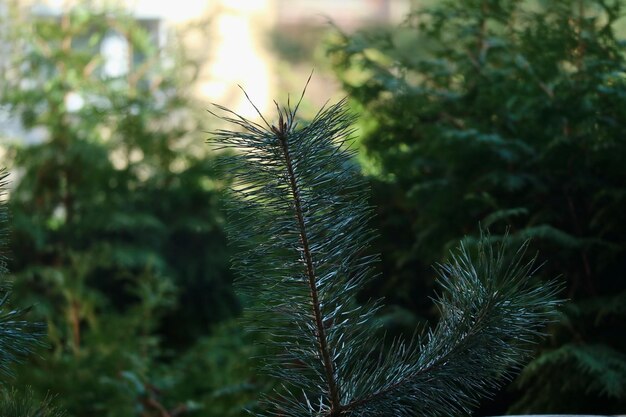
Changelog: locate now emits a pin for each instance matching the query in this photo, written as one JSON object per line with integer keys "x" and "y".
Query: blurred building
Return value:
{"x": 240, "y": 39}
{"x": 347, "y": 14}
{"x": 249, "y": 34}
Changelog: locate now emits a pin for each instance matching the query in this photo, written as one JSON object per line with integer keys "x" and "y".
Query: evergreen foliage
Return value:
{"x": 506, "y": 113}
{"x": 116, "y": 235}
{"x": 600, "y": 368}
{"x": 18, "y": 336}
{"x": 18, "y": 339}
{"x": 220, "y": 372}
{"x": 301, "y": 219}
{"x": 14, "y": 403}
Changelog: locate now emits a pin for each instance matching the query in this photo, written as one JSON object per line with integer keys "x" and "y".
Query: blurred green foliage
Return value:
{"x": 505, "y": 113}
{"x": 117, "y": 234}
{"x": 220, "y": 372}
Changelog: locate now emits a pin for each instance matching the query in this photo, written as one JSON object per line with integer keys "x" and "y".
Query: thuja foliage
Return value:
{"x": 301, "y": 218}
{"x": 508, "y": 113}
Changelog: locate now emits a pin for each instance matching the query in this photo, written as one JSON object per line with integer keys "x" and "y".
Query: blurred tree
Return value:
{"x": 117, "y": 238}
{"x": 507, "y": 113}
{"x": 220, "y": 372}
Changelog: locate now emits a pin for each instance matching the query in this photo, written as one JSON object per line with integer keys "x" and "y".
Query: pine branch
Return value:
{"x": 18, "y": 337}
{"x": 301, "y": 219}
{"x": 490, "y": 314}
{"x": 329, "y": 368}
{"x": 24, "y": 404}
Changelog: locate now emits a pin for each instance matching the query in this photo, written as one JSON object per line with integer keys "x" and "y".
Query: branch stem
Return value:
{"x": 329, "y": 369}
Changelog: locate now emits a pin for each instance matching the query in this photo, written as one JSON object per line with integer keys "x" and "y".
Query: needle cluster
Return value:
{"x": 18, "y": 336}
{"x": 301, "y": 219}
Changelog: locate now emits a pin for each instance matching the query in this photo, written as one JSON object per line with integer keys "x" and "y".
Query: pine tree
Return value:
{"x": 301, "y": 220}
{"x": 18, "y": 337}
{"x": 14, "y": 403}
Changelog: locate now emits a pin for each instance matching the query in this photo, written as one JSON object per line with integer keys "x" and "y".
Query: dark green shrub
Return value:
{"x": 506, "y": 113}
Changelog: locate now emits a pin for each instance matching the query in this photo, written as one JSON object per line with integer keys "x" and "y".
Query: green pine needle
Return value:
{"x": 18, "y": 337}
{"x": 300, "y": 216}
{"x": 23, "y": 404}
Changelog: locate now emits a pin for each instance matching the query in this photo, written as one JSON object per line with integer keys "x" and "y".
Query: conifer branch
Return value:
{"x": 490, "y": 314}
{"x": 18, "y": 336}
{"x": 301, "y": 218}
{"x": 329, "y": 368}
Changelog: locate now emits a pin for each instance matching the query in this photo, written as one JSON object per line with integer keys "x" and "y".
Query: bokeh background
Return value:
{"x": 501, "y": 114}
